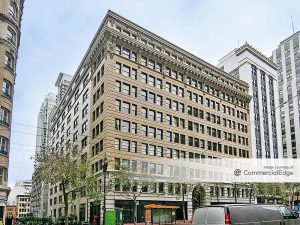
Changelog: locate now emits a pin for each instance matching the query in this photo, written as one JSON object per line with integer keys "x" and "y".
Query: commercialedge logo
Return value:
{"x": 268, "y": 173}
{"x": 278, "y": 172}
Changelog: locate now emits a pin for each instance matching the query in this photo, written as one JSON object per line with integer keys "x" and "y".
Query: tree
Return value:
{"x": 131, "y": 185}
{"x": 70, "y": 170}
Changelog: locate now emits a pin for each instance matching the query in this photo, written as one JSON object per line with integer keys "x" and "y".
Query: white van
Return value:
{"x": 245, "y": 214}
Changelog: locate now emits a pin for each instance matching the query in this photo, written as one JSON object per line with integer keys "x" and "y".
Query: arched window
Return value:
{"x": 11, "y": 35}
{"x": 12, "y": 10}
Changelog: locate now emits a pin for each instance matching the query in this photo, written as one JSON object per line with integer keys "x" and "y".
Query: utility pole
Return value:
{"x": 235, "y": 193}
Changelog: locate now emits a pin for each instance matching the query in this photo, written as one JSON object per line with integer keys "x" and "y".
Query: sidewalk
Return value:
{"x": 178, "y": 222}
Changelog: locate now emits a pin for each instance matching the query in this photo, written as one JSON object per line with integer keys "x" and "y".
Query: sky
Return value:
{"x": 56, "y": 34}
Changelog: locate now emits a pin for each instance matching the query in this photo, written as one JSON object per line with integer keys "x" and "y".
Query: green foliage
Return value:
{"x": 71, "y": 170}
{"x": 31, "y": 220}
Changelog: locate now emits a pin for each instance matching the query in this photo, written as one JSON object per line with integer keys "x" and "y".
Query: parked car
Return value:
{"x": 245, "y": 214}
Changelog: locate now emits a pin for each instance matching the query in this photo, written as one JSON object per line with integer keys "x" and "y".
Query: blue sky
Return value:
{"x": 56, "y": 34}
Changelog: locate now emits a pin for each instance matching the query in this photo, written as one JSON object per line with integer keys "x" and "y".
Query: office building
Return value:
{"x": 250, "y": 65}
{"x": 287, "y": 57}
{"x": 39, "y": 191}
{"x": 136, "y": 97}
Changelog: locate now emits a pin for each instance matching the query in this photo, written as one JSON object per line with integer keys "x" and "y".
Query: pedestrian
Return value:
{"x": 94, "y": 220}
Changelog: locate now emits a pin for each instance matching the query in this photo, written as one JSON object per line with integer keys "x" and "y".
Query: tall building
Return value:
{"x": 287, "y": 56}
{"x": 248, "y": 64}
{"x": 149, "y": 100}
{"x": 10, "y": 31}
{"x": 39, "y": 192}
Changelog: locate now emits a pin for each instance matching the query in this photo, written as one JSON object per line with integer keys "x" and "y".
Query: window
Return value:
{"x": 134, "y": 91}
{"x": 10, "y": 35}
{"x": 134, "y": 128}
{"x": 126, "y": 107}
{"x": 125, "y": 145}
{"x": 159, "y": 151}
{"x": 117, "y": 144}
{"x": 9, "y": 61}
{"x": 133, "y": 74}
{"x": 12, "y": 11}
{"x": 85, "y": 96}
{"x": 159, "y": 83}
{"x": 151, "y": 80}
{"x": 5, "y": 116}
{"x": 126, "y": 126}
{"x": 118, "y": 50}
{"x": 144, "y": 78}
{"x": 151, "y": 150}
{"x": 159, "y": 117}
{"x": 152, "y": 132}
{"x": 7, "y": 88}
{"x": 151, "y": 64}
{"x": 3, "y": 145}
{"x": 76, "y": 108}
{"x": 126, "y": 71}
{"x": 118, "y": 86}
{"x": 126, "y": 53}
{"x": 84, "y": 126}
{"x": 133, "y": 56}
{"x": 75, "y": 136}
{"x": 144, "y": 130}
{"x": 118, "y": 105}
{"x": 144, "y": 113}
{"x": 151, "y": 97}
{"x": 159, "y": 134}
{"x": 144, "y": 95}
{"x": 126, "y": 89}
{"x": 133, "y": 147}
{"x": 118, "y": 68}
{"x": 159, "y": 100}
{"x": 152, "y": 115}
{"x": 144, "y": 149}
{"x": 144, "y": 60}
{"x": 75, "y": 122}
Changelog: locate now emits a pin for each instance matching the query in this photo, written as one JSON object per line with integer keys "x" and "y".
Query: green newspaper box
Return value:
{"x": 110, "y": 217}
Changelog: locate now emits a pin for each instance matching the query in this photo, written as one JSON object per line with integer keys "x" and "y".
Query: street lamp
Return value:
{"x": 105, "y": 165}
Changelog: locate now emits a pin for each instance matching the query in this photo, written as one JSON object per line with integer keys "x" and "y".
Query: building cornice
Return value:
{"x": 168, "y": 60}
{"x": 172, "y": 47}
{"x": 258, "y": 54}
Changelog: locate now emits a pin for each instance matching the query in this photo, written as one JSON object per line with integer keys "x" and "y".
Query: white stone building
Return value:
{"x": 251, "y": 66}
{"x": 39, "y": 198}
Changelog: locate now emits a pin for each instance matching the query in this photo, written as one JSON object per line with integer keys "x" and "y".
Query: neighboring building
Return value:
{"x": 10, "y": 25}
{"x": 287, "y": 56}
{"x": 20, "y": 197}
{"x": 39, "y": 192}
{"x": 11, "y": 214}
{"x": 149, "y": 100}
{"x": 23, "y": 205}
{"x": 249, "y": 65}
{"x": 62, "y": 83}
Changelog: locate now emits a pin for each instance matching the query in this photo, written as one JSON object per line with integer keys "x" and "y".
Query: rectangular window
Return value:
{"x": 118, "y": 67}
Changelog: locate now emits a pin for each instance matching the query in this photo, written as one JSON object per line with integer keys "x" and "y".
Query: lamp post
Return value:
{"x": 105, "y": 164}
